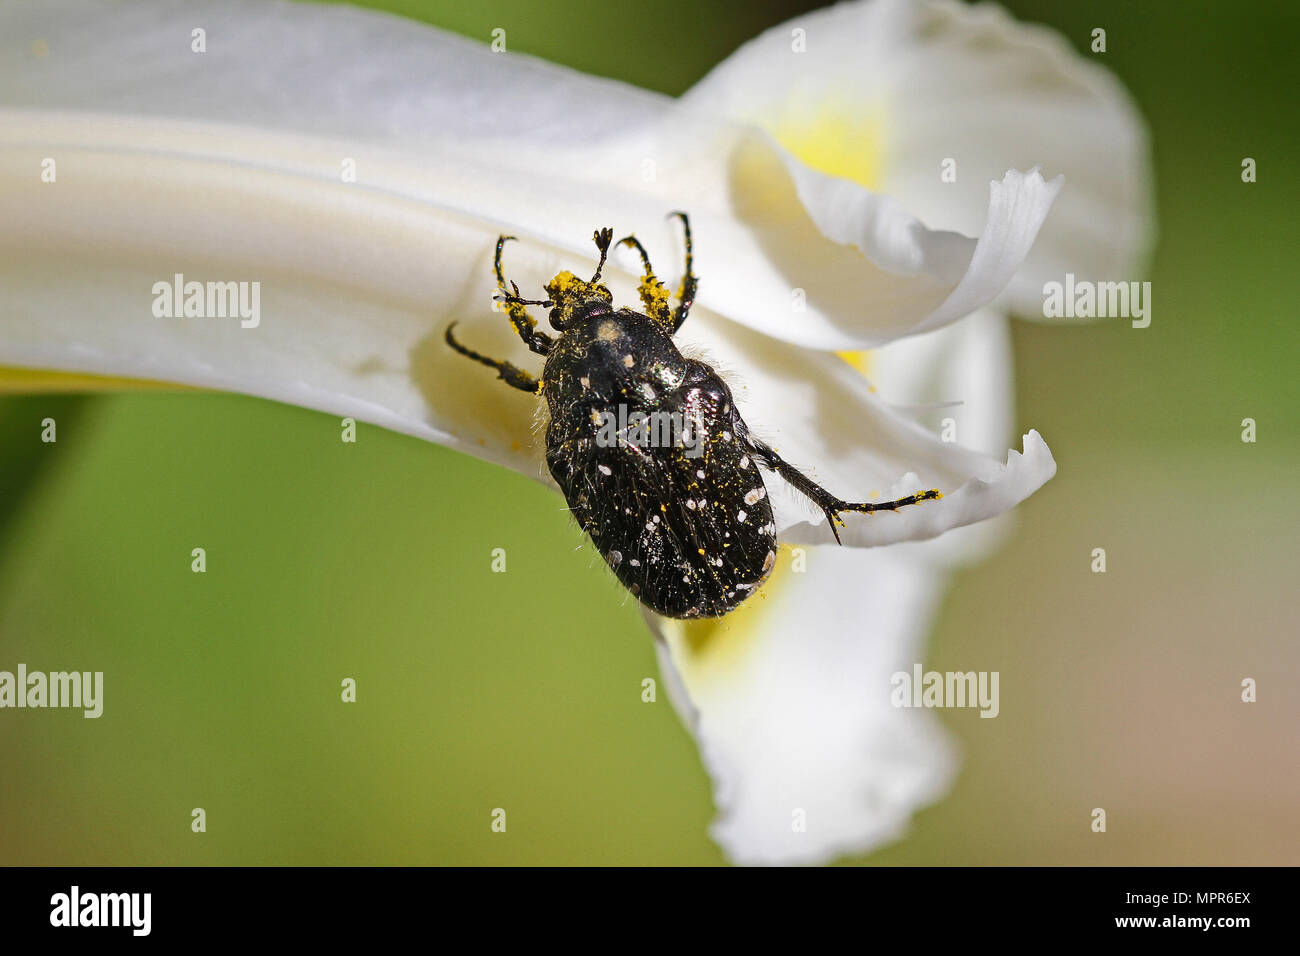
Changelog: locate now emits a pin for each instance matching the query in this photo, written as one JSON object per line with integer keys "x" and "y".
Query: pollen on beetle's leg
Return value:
{"x": 516, "y": 308}
{"x": 654, "y": 294}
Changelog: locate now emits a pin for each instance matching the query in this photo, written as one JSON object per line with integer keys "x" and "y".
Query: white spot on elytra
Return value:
{"x": 769, "y": 561}
{"x": 744, "y": 461}
{"x": 741, "y": 516}
{"x": 628, "y": 361}
{"x": 604, "y": 469}
{"x": 690, "y": 504}
{"x": 635, "y": 563}
{"x": 755, "y": 496}
{"x": 699, "y": 473}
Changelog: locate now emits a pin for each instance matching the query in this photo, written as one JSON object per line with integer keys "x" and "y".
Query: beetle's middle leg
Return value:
{"x": 654, "y": 295}
{"x": 823, "y": 499}
{"x": 512, "y": 375}
{"x": 524, "y": 324}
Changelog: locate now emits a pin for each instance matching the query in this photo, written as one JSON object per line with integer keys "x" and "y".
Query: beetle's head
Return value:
{"x": 568, "y": 297}
{"x": 572, "y": 298}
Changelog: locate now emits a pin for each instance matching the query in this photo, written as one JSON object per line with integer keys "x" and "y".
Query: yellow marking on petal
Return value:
{"x": 718, "y": 648}
{"x": 15, "y": 381}
{"x": 859, "y": 360}
{"x": 839, "y": 139}
{"x": 835, "y": 137}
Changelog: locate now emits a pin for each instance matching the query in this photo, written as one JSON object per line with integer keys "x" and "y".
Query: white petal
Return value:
{"x": 991, "y": 92}
{"x": 992, "y": 489}
{"x": 963, "y": 372}
{"x": 790, "y": 703}
{"x": 919, "y": 83}
{"x": 884, "y": 275}
{"x": 351, "y": 318}
{"x": 533, "y": 148}
{"x": 333, "y": 71}
{"x": 962, "y": 377}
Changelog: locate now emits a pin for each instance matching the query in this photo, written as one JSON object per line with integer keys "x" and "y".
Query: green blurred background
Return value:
{"x": 480, "y": 690}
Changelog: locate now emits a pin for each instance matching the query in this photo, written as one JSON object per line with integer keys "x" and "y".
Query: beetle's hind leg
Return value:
{"x": 654, "y": 295}
{"x": 823, "y": 499}
{"x": 512, "y": 375}
{"x": 517, "y": 309}
{"x": 690, "y": 281}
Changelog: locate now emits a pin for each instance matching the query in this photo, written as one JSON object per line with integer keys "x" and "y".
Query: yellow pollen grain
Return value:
{"x": 563, "y": 282}
{"x": 653, "y": 293}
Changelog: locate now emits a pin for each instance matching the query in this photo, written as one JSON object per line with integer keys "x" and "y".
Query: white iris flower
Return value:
{"x": 360, "y": 167}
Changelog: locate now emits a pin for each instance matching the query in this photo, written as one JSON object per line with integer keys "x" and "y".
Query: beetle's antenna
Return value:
{"x": 602, "y": 238}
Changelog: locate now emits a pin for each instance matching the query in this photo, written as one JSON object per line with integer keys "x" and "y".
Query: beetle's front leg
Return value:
{"x": 654, "y": 295}
{"x": 524, "y": 324}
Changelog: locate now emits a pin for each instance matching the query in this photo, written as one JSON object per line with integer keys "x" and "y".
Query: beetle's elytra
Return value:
{"x": 648, "y": 446}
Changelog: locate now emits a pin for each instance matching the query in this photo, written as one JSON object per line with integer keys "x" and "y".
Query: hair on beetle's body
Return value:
{"x": 686, "y": 526}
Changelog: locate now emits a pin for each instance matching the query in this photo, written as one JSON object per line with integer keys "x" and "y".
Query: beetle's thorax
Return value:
{"x": 609, "y": 357}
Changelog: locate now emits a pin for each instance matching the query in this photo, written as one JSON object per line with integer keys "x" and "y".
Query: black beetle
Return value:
{"x": 648, "y": 446}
